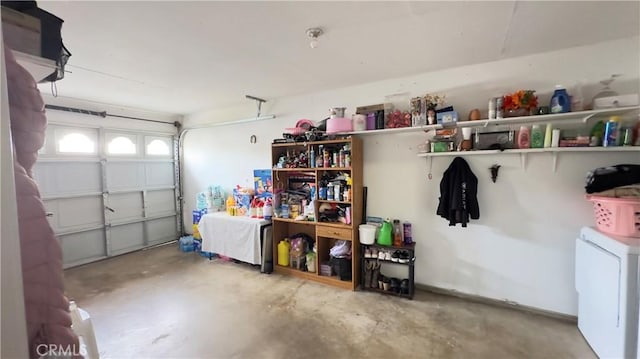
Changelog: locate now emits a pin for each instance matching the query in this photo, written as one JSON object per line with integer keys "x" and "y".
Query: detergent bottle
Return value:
{"x": 386, "y": 233}
{"x": 231, "y": 206}
{"x": 283, "y": 252}
{"x": 560, "y": 101}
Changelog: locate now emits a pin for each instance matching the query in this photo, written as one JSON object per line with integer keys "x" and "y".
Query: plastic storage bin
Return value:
{"x": 367, "y": 233}
{"x": 325, "y": 269}
{"x": 617, "y": 216}
{"x": 339, "y": 124}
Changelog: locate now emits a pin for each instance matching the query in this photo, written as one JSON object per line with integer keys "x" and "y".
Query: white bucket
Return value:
{"x": 367, "y": 233}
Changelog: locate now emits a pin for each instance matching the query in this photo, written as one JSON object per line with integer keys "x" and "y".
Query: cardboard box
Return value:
{"x": 263, "y": 183}
{"x": 442, "y": 146}
{"x": 21, "y": 32}
{"x": 447, "y": 118}
{"x": 243, "y": 203}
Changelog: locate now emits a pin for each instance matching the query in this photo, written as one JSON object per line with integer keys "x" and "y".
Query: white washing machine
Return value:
{"x": 608, "y": 299}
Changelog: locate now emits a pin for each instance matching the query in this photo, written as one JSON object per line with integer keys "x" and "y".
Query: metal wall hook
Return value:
{"x": 494, "y": 172}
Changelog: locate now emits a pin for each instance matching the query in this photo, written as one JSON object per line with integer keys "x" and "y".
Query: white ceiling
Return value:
{"x": 182, "y": 57}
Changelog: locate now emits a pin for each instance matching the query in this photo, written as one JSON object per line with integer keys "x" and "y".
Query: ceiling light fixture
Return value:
{"x": 313, "y": 33}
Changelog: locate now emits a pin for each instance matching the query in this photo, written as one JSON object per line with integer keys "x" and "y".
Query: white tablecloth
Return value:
{"x": 232, "y": 236}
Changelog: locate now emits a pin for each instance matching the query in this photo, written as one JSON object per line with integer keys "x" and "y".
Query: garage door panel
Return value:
{"x": 51, "y": 206}
{"x": 126, "y": 237}
{"x": 83, "y": 246}
{"x": 162, "y": 230}
{"x": 160, "y": 202}
{"x": 105, "y": 198}
{"x": 126, "y": 175}
{"x": 159, "y": 174}
{"x": 126, "y": 206}
{"x": 55, "y": 178}
{"x": 75, "y": 213}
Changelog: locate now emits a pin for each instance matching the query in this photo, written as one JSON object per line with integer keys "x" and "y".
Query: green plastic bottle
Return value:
{"x": 597, "y": 133}
{"x": 537, "y": 137}
{"x": 385, "y": 238}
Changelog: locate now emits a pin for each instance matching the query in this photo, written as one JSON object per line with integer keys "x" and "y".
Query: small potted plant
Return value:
{"x": 432, "y": 101}
{"x": 520, "y": 103}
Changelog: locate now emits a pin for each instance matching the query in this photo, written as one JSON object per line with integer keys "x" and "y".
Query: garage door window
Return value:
{"x": 121, "y": 145}
{"x": 158, "y": 146}
{"x": 75, "y": 142}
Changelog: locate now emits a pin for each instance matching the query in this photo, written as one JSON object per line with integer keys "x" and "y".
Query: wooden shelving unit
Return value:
{"x": 287, "y": 220}
{"x": 324, "y": 233}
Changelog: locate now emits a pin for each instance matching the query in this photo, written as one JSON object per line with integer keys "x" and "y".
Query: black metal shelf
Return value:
{"x": 410, "y": 247}
{"x": 389, "y": 292}
{"x": 410, "y": 265}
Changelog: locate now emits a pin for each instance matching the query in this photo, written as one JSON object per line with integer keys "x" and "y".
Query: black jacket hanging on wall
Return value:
{"x": 458, "y": 194}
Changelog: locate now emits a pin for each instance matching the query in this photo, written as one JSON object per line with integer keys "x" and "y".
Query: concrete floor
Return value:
{"x": 164, "y": 303}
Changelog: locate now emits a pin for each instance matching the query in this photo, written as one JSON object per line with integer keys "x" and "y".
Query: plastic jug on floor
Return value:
{"x": 82, "y": 327}
{"x": 283, "y": 252}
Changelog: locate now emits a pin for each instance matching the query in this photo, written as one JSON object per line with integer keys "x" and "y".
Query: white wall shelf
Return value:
{"x": 569, "y": 117}
{"x": 534, "y": 150}
{"x": 38, "y": 67}
{"x": 581, "y": 116}
{"x": 425, "y": 128}
{"x": 554, "y": 151}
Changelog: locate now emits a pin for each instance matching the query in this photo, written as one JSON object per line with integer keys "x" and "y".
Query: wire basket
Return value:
{"x": 617, "y": 216}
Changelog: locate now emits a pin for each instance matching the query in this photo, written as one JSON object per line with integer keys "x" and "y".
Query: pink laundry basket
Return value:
{"x": 617, "y": 216}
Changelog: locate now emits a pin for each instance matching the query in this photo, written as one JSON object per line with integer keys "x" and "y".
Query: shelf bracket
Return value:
{"x": 555, "y": 161}
{"x": 523, "y": 161}
{"x": 430, "y": 167}
{"x": 587, "y": 118}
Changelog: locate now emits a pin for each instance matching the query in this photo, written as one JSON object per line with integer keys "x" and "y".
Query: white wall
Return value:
{"x": 522, "y": 248}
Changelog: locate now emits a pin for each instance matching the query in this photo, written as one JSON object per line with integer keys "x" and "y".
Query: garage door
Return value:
{"x": 108, "y": 191}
